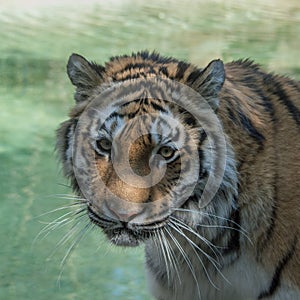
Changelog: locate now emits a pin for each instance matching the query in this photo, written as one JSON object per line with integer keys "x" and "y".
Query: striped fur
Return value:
{"x": 243, "y": 244}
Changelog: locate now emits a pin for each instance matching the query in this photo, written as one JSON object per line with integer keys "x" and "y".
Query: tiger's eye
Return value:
{"x": 104, "y": 145}
{"x": 166, "y": 152}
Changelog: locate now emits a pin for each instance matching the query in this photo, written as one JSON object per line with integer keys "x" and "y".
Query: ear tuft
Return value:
{"x": 210, "y": 82}
{"x": 84, "y": 75}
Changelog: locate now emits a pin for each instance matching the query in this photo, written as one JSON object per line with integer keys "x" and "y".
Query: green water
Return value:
{"x": 35, "y": 96}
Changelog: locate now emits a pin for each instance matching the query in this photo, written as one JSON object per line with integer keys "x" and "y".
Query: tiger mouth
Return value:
{"x": 125, "y": 237}
{"x": 123, "y": 233}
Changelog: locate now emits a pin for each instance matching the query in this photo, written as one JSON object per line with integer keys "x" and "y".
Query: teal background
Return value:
{"x": 37, "y": 38}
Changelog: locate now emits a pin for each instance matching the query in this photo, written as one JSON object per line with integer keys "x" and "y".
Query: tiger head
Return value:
{"x": 144, "y": 141}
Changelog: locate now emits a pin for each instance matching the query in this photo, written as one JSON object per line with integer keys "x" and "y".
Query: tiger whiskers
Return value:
{"x": 80, "y": 235}
{"x": 165, "y": 256}
{"x": 216, "y": 263}
{"x": 185, "y": 257}
{"x": 238, "y": 227}
{"x": 195, "y": 247}
{"x": 211, "y": 246}
{"x": 80, "y": 226}
{"x": 169, "y": 258}
{"x": 173, "y": 259}
{"x": 61, "y": 220}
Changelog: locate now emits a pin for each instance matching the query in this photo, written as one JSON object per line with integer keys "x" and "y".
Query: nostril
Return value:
{"x": 123, "y": 216}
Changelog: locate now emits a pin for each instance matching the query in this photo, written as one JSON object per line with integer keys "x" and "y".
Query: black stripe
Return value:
{"x": 278, "y": 271}
{"x": 129, "y": 102}
{"x": 234, "y": 241}
{"x": 182, "y": 67}
{"x": 132, "y": 76}
{"x": 133, "y": 114}
{"x": 270, "y": 231}
{"x": 201, "y": 157}
{"x": 271, "y": 228}
{"x": 138, "y": 66}
{"x": 189, "y": 119}
{"x": 157, "y": 107}
{"x": 114, "y": 115}
{"x": 71, "y": 128}
{"x": 203, "y": 136}
{"x": 194, "y": 76}
{"x": 283, "y": 97}
{"x": 248, "y": 126}
{"x": 267, "y": 104}
{"x": 164, "y": 70}
{"x": 231, "y": 115}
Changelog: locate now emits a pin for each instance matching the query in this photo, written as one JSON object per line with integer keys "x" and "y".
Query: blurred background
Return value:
{"x": 37, "y": 38}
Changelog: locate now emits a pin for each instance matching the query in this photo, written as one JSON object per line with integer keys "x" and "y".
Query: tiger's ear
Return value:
{"x": 84, "y": 75}
{"x": 210, "y": 81}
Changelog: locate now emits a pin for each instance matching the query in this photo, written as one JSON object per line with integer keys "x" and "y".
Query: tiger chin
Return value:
{"x": 201, "y": 165}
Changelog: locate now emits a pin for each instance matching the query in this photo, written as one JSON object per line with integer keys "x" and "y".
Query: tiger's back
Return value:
{"x": 255, "y": 214}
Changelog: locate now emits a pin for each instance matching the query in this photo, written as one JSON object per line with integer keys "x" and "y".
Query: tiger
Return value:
{"x": 199, "y": 165}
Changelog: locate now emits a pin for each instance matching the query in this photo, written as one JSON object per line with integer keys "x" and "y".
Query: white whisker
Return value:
{"x": 240, "y": 229}
{"x": 58, "y": 222}
{"x": 61, "y": 208}
{"x": 186, "y": 258}
{"x": 164, "y": 254}
{"x": 215, "y": 263}
{"x": 81, "y": 234}
{"x": 211, "y": 246}
{"x": 174, "y": 259}
{"x": 194, "y": 247}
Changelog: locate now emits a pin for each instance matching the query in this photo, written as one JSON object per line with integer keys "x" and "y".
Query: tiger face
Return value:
{"x": 138, "y": 160}
{"x": 137, "y": 152}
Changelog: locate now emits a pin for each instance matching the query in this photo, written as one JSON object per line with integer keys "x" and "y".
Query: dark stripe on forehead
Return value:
{"x": 114, "y": 115}
{"x": 182, "y": 67}
{"x": 136, "y": 65}
{"x": 157, "y": 106}
{"x": 164, "y": 70}
{"x": 137, "y": 75}
{"x": 133, "y": 114}
{"x": 130, "y": 102}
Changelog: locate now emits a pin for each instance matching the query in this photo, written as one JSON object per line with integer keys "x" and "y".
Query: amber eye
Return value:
{"x": 166, "y": 152}
{"x": 104, "y": 145}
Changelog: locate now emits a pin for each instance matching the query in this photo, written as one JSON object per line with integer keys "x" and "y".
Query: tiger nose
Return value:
{"x": 123, "y": 214}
